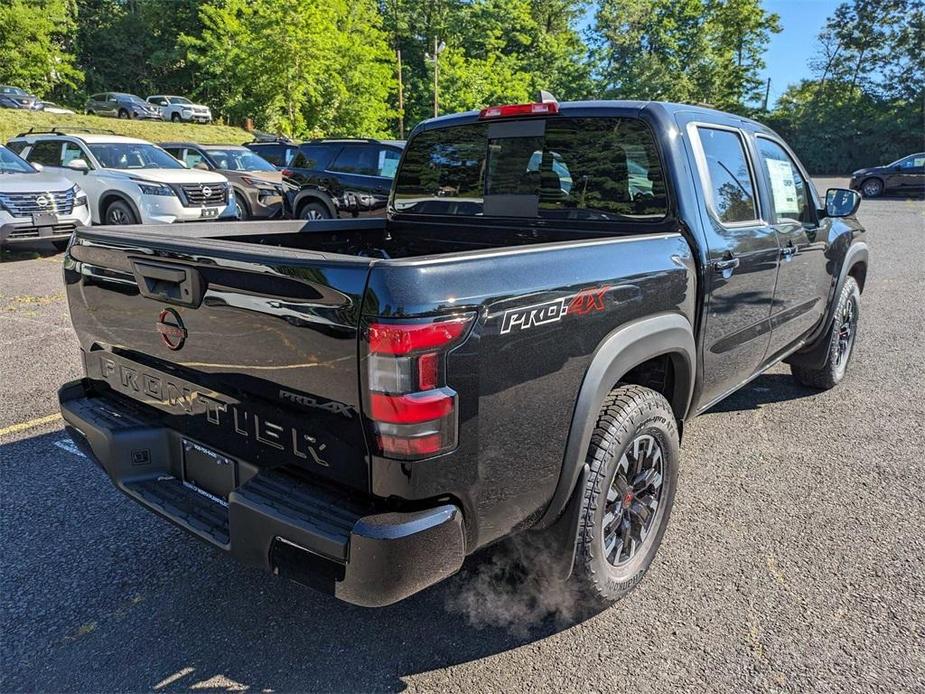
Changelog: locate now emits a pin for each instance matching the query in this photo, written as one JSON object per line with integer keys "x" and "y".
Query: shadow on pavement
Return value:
{"x": 102, "y": 595}
{"x": 764, "y": 390}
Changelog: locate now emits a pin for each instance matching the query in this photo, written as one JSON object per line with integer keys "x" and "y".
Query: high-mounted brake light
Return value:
{"x": 412, "y": 410}
{"x": 541, "y": 108}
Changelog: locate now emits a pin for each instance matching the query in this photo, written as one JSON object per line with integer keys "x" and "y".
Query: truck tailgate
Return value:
{"x": 244, "y": 350}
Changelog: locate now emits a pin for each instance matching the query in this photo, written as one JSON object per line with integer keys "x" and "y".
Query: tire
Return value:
{"x": 841, "y": 337}
{"x": 123, "y": 113}
{"x": 244, "y": 212}
{"x": 313, "y": 211}
{"x": 175, "y": 117}
{"x": 872, "y": 187}
{"x": 633, "y": 460}
{"x": 119, "y": 212}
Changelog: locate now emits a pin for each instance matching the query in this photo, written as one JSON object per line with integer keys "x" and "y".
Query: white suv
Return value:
{"x": 129, "y": 181}
{"x": 177, "y": 108}
{"x": 36, "y": 205}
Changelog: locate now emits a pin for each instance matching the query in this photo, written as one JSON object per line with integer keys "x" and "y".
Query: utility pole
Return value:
{"x": 438, "y": 49}
{"x": 767, "y": 93}
{"x": 401, "y": 98}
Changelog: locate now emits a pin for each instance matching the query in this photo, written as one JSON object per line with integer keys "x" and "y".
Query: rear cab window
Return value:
{"x": 583, "y": 169}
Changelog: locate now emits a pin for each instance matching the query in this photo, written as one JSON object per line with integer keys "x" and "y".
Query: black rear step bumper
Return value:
{"x": 283, "y": 523}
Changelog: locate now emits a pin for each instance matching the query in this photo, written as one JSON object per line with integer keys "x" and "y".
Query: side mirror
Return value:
{"x": 78, "y": 165}
{"x": 841, "y": 202}
{"x": 37, "y": 166}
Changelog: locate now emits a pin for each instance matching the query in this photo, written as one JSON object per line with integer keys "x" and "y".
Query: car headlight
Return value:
{"x": 155, "y": 189}
{"x": 80, "y": 197}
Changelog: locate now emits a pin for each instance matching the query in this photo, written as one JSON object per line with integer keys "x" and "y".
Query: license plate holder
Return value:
{"x": 208, "y": 470}
{"x": 44, "y": 219}
{"x": 209, "y": 212}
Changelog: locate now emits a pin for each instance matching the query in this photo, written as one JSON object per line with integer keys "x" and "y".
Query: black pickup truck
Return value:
{"x": 557, "y": 288}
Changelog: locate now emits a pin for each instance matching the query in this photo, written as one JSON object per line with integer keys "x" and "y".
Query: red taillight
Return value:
{"x": 402, "y": 338}
{"x": 412, "y": 410}
{"x": 541, "y": 108}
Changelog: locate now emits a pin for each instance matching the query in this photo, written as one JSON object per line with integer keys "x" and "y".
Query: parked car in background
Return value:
{"x": 14, "y": 97}
{"x": 51, "y": 107}
{"x": 121, "y": 105}
{"x": 906, "y": 175}
{"x": 179, "y": 108}
{"x": 37, "y": 204}
{"x": 258, "y": 186}
{"x": 335, "y": 178}
{"x": 129, "y": 181}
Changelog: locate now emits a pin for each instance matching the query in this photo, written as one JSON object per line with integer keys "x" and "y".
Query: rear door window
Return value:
{"x": 361, "y": 160}
{"x": 730, "y": 185}
{"x": 583, "y": 169}
{"x": 46, "y": 153}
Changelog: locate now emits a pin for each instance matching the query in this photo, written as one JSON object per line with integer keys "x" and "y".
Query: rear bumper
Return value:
{"x": 285, "y": 523}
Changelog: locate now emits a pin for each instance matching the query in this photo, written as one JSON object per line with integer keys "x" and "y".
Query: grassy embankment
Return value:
{"x": 13, "y": 122}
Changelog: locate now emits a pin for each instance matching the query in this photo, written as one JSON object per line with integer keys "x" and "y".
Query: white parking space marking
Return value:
{"x": 65, "y": 444}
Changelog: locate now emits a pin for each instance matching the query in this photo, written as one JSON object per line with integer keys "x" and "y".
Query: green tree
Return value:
{"x": 706, "y": 51}
{"x": 306, "y": 67}
{"x": 134, "y": 45}
{"x": 34, "y": 51}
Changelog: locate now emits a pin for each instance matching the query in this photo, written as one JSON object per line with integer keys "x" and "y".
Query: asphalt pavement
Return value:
{"x": 793, "y": 562}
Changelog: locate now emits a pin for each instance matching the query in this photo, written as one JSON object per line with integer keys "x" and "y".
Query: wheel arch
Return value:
{"x": 854, "y": 266}
{"x": 111, "y": 196}
{"x": 631, "y": 353}
{"x": 313, "y": 195}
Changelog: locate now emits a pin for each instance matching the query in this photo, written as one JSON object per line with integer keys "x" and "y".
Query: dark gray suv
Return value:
{"x": 121, "y": 105}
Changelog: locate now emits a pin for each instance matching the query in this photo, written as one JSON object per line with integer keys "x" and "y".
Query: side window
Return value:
{"x": 916, "y": 161}
{"x": 388, "y": 162}
{"x": 175, "y": 152}
{"x": 272, "y": 153}
{"x": 788, "y": 187}
{"x": 315, "y": 157}
{"x": 730, "y": 186}
{"x": 16, "y": 147}
{"x": 46, "y": 153}
{"x": 363, "y": 161}
{"x": 71, "y": 152}
{"x": 192, "y": 157}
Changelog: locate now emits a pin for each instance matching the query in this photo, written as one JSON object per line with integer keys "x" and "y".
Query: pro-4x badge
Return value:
{"x": 584, "y": 302}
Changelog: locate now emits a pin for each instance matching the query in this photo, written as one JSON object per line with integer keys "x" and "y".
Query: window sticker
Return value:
{"x": 783, "y": 187}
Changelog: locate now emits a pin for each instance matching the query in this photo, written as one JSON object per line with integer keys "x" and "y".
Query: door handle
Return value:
{"x": 788, "y": 251}
{"x": 172, "y": 284}
{"x": 727, "y": 264}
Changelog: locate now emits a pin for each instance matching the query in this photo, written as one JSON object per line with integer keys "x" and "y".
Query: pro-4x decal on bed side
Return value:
{"x": 584, "y": 302}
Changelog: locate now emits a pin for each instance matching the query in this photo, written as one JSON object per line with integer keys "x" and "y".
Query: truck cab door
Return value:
{"x": 803, "y": 277}
{"x": 741, "y": 263}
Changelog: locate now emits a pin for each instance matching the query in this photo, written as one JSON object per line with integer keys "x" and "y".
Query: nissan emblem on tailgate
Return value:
{"x": 171, "y": 329}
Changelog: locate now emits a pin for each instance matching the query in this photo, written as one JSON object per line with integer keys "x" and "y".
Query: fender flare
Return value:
{"x": 623, "y": 349}
{"x": 314, "y": 194}
{"x": 813, "y": 356}
{"x": 121, "y": 196}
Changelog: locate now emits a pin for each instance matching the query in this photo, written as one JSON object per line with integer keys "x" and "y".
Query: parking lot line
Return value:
{"x": 32, "y": 423}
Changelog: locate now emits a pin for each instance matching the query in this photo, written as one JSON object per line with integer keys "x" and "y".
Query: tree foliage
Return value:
{"x": 34, "y": 45}
{"x": 864, "y": 105}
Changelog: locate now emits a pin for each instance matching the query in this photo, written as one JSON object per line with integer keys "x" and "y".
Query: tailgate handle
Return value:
{"x": 174, "y": 284}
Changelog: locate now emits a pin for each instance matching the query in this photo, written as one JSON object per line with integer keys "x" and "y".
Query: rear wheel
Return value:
{"x": 841, "y": 337}
{"x": 119, "y": 212}
{"x": 314, "y": 211}
{"x": 633, "y": 461}
{"x": 872, "y": 188}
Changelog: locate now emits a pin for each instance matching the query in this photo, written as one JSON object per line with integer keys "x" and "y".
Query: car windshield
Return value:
{"x": 239, "y": 160}
{"x": 131, "y": 155}
{"x": 14, "y": 91}
{"x": 178, "y": 100}
{"x": 10, "y": 163}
